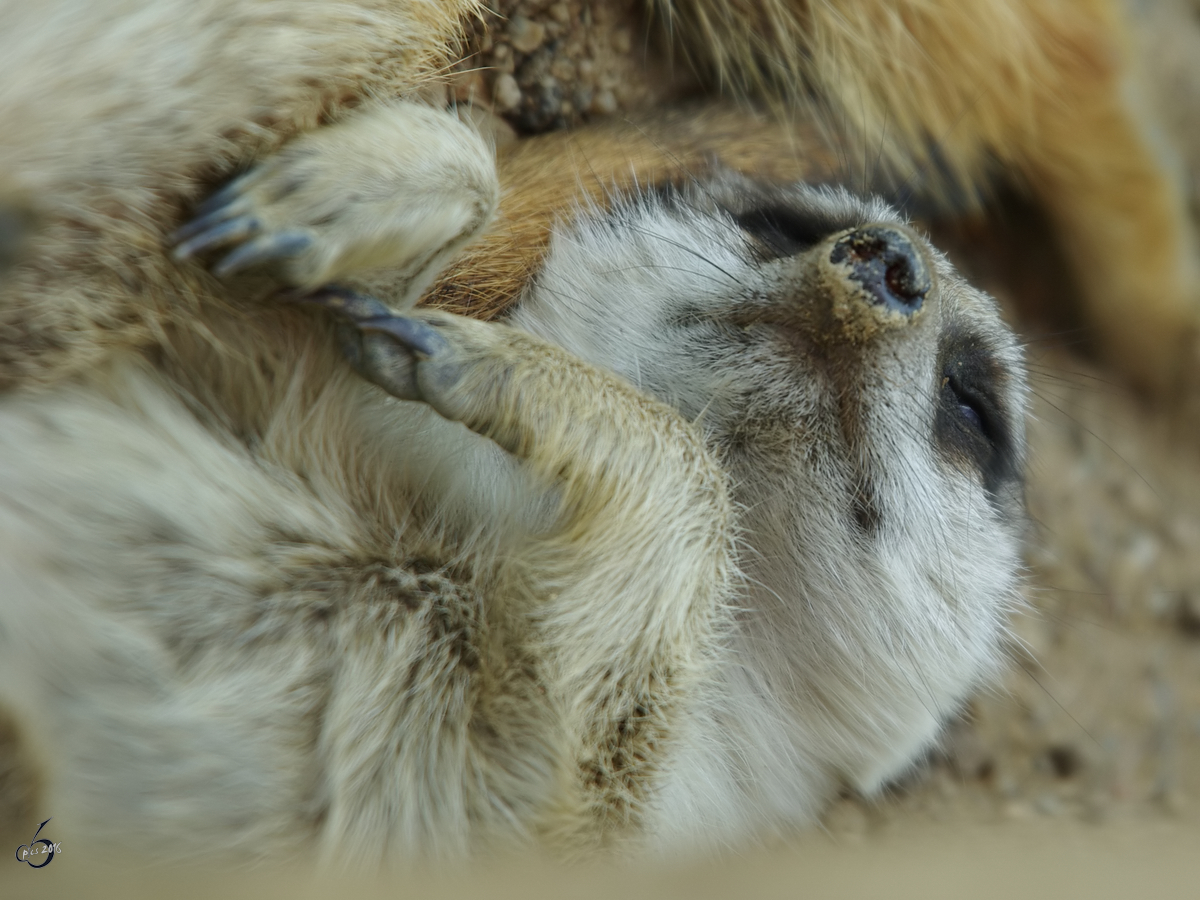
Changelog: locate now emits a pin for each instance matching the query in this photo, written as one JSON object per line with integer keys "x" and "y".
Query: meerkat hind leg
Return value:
{"x": 397, "y": 186}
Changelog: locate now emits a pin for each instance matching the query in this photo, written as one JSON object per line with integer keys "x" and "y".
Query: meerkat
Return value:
{"x": 722, "y": 517}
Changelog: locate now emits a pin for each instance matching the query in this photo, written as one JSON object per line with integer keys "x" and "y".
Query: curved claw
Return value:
{"x": 382, "y": 347}
{"x": 225, "y": 204}
{"x": 229, "y": 193}
{"x": 203, "y": 223}
{"x": 226, "y": 233}
{"x": 369, "y": 315}
{"x": 414, "y": 335}
{"x": 228, "y": 205}
{"x": 264, "y": 249}
{"x": 347, "y": 304}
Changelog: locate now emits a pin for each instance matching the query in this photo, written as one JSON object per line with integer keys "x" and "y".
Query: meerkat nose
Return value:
{"x": 884, "y": 261}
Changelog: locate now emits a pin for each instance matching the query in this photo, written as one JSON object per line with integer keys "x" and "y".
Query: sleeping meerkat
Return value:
{"x": 689, "y": 541}
{"x": 866, "y": 406}
{"x": 723, "y": 517}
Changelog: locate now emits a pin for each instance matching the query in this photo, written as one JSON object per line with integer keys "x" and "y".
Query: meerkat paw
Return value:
{"x": 502, "y": 383}
{"x": 401, "y": 186}
{"x": 422, "y": 356}
{"x": 382, "y": 347}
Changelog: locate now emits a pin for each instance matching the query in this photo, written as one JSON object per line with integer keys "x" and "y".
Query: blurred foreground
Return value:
{"x": 1034, "y": 859}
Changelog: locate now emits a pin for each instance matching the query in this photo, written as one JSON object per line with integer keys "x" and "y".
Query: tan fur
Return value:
{"x": 118, "y": 115}
{"x": 601, "y": 161}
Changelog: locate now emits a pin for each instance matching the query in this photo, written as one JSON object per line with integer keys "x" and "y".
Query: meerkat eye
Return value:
{"x": 971, "y": 427}
{"x": 972, "y": 406}
{"x": 972, "y": 416}
{"x": 785, "y": 231}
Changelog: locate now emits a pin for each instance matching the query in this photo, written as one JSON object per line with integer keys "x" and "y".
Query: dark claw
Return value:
{"x": 413, "y": 334}
{"x": 203, "y": 223}
{"x": 369, "y": 315}
{"x": 277, "y": 246}
{"x": 218, "y": 208}
{"x": 380, "y": 346}
{"x": 227, "y": 194}
{"x": 382, "y": 362}
{"x": 235, "y": 230}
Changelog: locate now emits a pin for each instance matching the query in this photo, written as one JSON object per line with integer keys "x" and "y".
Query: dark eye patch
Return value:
{"x": 971, "y": 425}
{"x": 785, "y": 231}
{"x": 975, "y": 407}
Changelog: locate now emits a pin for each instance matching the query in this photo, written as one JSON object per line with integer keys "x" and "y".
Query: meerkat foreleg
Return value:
{"x": 622, "y": 593}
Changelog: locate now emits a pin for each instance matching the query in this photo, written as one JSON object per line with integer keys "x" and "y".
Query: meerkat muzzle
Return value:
{"x": 887, "y": 265}
{"x": 876, "y": 278}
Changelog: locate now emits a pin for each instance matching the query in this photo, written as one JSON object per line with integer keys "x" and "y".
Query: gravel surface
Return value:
{"x": 547, "y": 64}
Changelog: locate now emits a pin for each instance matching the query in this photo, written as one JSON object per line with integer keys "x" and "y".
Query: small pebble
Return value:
{"x": 525, "y": 34}
{"x": 507, "y": 93}
{"x": 1189, "y": 613}
{"x": 604, "y": 103}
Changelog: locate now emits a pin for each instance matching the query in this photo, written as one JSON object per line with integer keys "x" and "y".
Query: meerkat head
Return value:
{"x": 868, "y": 404}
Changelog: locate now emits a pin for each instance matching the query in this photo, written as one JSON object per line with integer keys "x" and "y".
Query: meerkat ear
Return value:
{"x": 780, "y": 216}
{"x": 784, "y": 230}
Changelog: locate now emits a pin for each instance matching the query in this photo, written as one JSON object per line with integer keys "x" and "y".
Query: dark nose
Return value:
{"x": 884, "y": 261}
